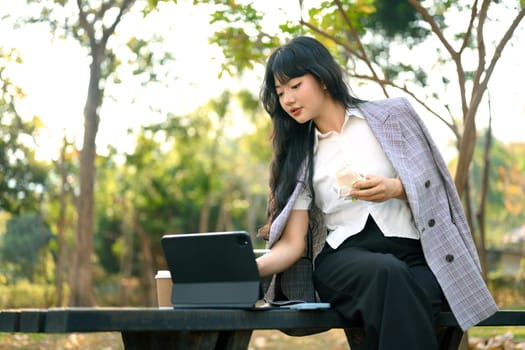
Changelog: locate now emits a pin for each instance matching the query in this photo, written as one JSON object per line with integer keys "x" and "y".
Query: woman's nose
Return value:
{"x": 288, "y": 98}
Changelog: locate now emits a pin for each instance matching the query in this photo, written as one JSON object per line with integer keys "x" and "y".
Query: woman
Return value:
{"x": 391, "y": 248}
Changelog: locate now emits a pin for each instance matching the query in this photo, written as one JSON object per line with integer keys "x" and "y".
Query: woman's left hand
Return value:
{"x": 378, "y": 189}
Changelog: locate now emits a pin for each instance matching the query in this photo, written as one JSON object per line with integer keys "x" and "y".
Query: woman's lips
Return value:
{"x": 296, "y": 111}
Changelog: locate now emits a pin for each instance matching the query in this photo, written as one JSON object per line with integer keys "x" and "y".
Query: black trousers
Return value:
{"x": 384, "y": 282}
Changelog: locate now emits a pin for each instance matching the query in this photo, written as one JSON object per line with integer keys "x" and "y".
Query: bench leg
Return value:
{"x": 449, "y": 338}
{"x": 355, "y": 338}
{"x": 185, "y": 340}
{"x": 233, "y": 340}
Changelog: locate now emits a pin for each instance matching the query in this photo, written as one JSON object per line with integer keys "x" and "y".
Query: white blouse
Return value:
{"x": 355, "y": 147}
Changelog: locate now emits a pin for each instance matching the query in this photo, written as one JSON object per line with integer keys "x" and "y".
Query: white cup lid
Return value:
{"x": 163, "y": 274}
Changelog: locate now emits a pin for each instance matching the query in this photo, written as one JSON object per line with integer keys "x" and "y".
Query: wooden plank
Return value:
{"x": 153, "y": 319}
{"x": 501, "y": 318}
{"x": 32, "y": 321}
{"x": 23, "y": 320}
{"x": 149, "y": 319}
{"x": 9, "y": 321}
{"x": 505, "y": 318}
{"x": 209, "y": 329}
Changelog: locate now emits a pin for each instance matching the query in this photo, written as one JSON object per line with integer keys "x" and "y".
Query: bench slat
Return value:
{"x": 505, "y": 318}
{"x": 62, "y": 320}
{"x": 96, "y": 320}
{"x": 90, "y": 320}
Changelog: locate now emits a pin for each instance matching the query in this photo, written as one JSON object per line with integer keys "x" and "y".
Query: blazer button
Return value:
{"x": 427, "y": 184}
{"x": 449, "y": 258}
{"x": 431, "y": 222}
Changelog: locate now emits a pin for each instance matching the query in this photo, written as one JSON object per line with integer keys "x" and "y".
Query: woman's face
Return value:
{"x": 303, "y": 97}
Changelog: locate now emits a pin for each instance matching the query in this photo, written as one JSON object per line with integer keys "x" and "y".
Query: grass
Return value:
{"x": 488, "y": 332}
{"x": 73, "y": 341}
{"x": 261, "y": 340}
{"x": 274, "y": 340}
{"x": 334, "y": 339}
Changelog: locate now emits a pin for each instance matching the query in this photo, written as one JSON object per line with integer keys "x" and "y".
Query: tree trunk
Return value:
{"x": 466, "y": 151}
{"x": 255, "y": 208}
{"x": 82, "y": 293}
{"x": 204, "y": 220}
{"x": 469, "y": 212}
{"x": 483, "y": 201}
{"x": 224, "y": 218}
{"x": 61, "y": 227}
{"x": 126, "y": 259}
{"x": 98, "y": 34}
{"x": 147, "y": 273}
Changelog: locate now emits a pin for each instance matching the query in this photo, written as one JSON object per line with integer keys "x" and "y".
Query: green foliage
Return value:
{"x": 337, "y": 21}
{"x": 178, "y": 168}
{"x": 505, "y": 206}
{"x": 146, "y": 58}
{"x": 240, "y": 34}
{"x": 395, "y": 18}
{"x": 509, "y": 291}
{"x": 246, "y": 42}
{"x": 106, "y": 244}
{"x": 22, "y": 177}
{"x": 23, "y": 241}
{"x": 25, "y": 294}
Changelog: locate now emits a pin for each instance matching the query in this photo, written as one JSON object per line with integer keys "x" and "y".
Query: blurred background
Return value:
{"x": 123, "y": 120}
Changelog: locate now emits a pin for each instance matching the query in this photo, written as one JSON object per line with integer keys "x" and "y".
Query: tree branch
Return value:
{"x": 124, "y": 6}
{"x": 104, "y": 7}
{"x": 452, "y": 126}
{"x": 332, "y": 38}
{"x": 456, "y": 57}
{"x": 84, "y": 23}
{"x": 348, "y": 22}
{"x": 481, "y": 47}
{"x": 499, "y": 49}
{"x": 473, "y": 14}
{"x": 345, "y": 46}
{"x": 364, "y": 56}
{"x": 435, "y": 28}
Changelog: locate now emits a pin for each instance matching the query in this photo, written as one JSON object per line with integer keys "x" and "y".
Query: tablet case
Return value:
{"x": 215, "y": 269}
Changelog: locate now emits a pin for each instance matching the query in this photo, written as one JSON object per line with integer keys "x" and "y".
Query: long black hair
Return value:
{"x": 293, "y": 142}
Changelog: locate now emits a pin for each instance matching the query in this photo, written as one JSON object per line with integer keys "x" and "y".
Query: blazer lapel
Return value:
{"x": 388, "y": 133}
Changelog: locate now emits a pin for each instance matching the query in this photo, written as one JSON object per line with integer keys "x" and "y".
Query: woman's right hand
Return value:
{"x": 289, "y": 248}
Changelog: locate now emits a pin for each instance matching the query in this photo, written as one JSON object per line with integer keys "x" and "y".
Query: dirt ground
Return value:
{"x": 261, "y": 340}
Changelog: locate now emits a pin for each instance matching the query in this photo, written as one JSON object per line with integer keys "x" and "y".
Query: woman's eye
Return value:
{"x": 295, "y": 86}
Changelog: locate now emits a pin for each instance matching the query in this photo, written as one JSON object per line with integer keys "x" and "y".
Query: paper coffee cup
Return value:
{"x": 164, "y": 285}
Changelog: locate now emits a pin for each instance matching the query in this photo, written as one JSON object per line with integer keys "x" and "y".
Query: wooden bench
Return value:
{"x": 217, "y": 329}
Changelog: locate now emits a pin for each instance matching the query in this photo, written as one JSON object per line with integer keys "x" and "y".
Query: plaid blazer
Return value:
{"x": 436, "y": 208}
